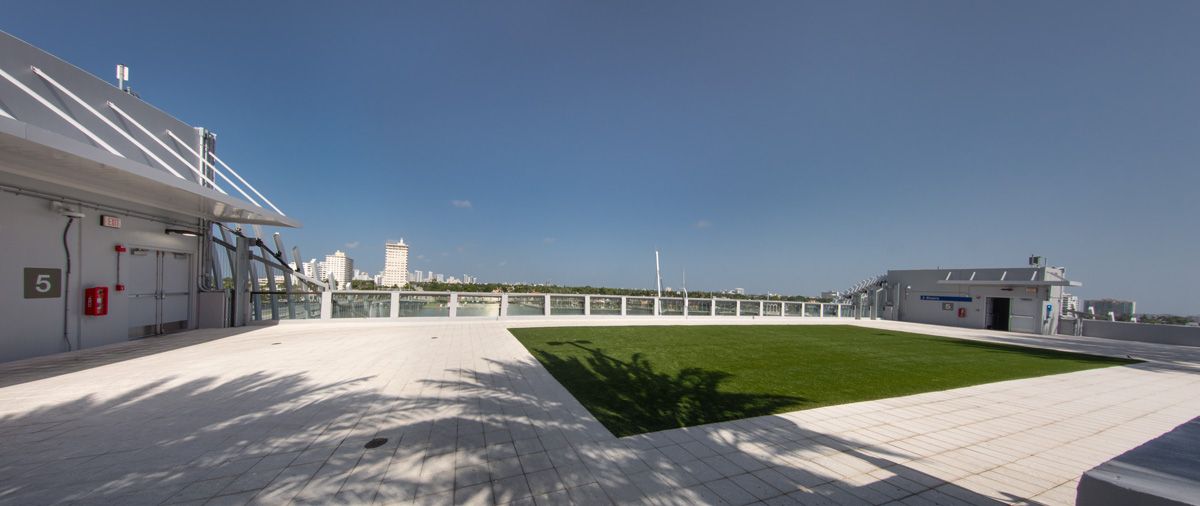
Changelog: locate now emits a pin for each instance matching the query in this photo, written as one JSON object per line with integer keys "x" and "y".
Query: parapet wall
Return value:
{"x": 1143, "y": 332}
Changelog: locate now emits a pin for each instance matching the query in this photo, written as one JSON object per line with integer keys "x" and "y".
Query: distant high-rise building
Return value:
{"x": 395, "y": 265}
{"x": 339, "y": 267}
{"x": 416, "y": 277}
{"x": 440, "y": 278}
{"x": 322, "y": 270}
{"x": 1067, "y": 304}
{"x": 1105, "y": 306}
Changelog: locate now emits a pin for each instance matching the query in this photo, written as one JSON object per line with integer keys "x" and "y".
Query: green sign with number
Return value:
{"x": 43, "y": 283}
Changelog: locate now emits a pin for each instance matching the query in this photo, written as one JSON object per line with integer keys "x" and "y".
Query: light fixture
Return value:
{"x": 189, "y": 233}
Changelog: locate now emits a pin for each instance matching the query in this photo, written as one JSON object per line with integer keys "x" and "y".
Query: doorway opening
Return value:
{"x": 997, "y": 313}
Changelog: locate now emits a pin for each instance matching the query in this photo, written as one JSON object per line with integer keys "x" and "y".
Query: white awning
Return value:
{"x": 35, "y": 153}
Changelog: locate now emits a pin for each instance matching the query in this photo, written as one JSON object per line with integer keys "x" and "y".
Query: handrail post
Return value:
{"x": 394, "y": 312}
{"x": 587, "y": 305}
{"x": 327, "y": 305}
{"x": 452, "y": 305}
{"x": 503, "y": 306}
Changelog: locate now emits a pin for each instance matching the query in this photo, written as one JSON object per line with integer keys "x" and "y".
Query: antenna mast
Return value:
{"x": 685, "y": 295}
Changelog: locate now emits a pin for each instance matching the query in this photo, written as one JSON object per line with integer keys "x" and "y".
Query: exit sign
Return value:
{"x": 110, "y": 221}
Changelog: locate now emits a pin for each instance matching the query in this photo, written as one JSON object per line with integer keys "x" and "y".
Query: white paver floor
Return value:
{"x": 281, "y": 414}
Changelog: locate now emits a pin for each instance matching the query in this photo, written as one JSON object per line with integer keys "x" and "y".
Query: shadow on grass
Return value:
{"x": 630, "y": 397}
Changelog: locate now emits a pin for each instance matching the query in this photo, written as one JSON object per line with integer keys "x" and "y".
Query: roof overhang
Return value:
{"x": 36, "y": 153}
{"x": 1009, "y": 283}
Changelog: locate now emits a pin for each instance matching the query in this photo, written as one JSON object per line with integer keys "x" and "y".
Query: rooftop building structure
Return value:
{"x": 112, "y": 209}
{"x": 1018, "y": 299}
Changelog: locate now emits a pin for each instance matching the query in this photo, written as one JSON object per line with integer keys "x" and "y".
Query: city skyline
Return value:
{"x": 781, "y": 147}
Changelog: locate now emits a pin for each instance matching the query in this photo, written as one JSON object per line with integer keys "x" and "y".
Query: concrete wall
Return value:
{"x": 33, "y": 237}
{"x": 1163, "y": 471}
{"x": 1142, "y": 332}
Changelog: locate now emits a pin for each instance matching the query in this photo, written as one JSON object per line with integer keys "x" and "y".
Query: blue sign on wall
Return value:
{"x": 946, "y": 298}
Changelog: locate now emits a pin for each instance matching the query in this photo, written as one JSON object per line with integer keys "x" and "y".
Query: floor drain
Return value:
{"x": 273, "y": 344}
{"x": 434, "y": 337}
{"x": 376, "y": 443}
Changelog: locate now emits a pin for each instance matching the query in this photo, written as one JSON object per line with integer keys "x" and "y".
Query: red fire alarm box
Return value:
{"x": 95, "y": 301}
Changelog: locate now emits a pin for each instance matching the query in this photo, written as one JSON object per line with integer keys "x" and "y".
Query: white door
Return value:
{"x": 159, "y": 298}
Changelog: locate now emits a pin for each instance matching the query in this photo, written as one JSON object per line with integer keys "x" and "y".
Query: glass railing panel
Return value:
{"x": 847, "y": 311}
{"x": 670, "y": 307}
{"x": 478, "y": 305}
{"x": 305, "y": 306}
{"x": 829, "y": 310}
{"x": 812, "y": 310}
{"x": 726, "y": 308}
{"x": 361, "y": 305}
{"x": 791, "y": 309}
{"x": 749, "y": 307}
{"x": 699, "y": 307}
{"x": 606, "y": 306}
{"x": 424, "y": 305}
{"x": 566, "y": 305}
{"x": 772, "y": 308}
{"x": 639, "y": 307}
{"x": 296, "y": 306}
{"x": 526, "y": 305}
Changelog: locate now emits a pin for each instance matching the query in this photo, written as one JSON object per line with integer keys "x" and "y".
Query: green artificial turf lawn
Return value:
{"x": 645, "y": 379}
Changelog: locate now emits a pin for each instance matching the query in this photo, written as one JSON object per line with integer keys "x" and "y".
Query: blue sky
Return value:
{"x": 790, "y": 147}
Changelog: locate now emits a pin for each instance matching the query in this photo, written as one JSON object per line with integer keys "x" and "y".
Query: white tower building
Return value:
{"x": 395, "y": 265}
{"x": 340, "y": 267}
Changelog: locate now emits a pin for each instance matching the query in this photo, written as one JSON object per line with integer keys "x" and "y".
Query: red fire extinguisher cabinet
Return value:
{"x": 95, "y": 301}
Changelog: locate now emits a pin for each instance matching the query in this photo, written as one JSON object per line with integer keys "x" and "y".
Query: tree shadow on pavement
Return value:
{"x": 49, "y": 366}
{"x": 151, "y": 443}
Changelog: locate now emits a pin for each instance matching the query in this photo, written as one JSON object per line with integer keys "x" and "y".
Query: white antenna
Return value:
{"x": 122, "y": 76}
{"x": 658, "y": 273}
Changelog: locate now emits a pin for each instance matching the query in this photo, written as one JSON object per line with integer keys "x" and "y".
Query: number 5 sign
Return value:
{"x": 43, "y": 283}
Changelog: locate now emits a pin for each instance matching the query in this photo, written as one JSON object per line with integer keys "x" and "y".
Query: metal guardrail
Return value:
{"x": 398, "y": 305}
